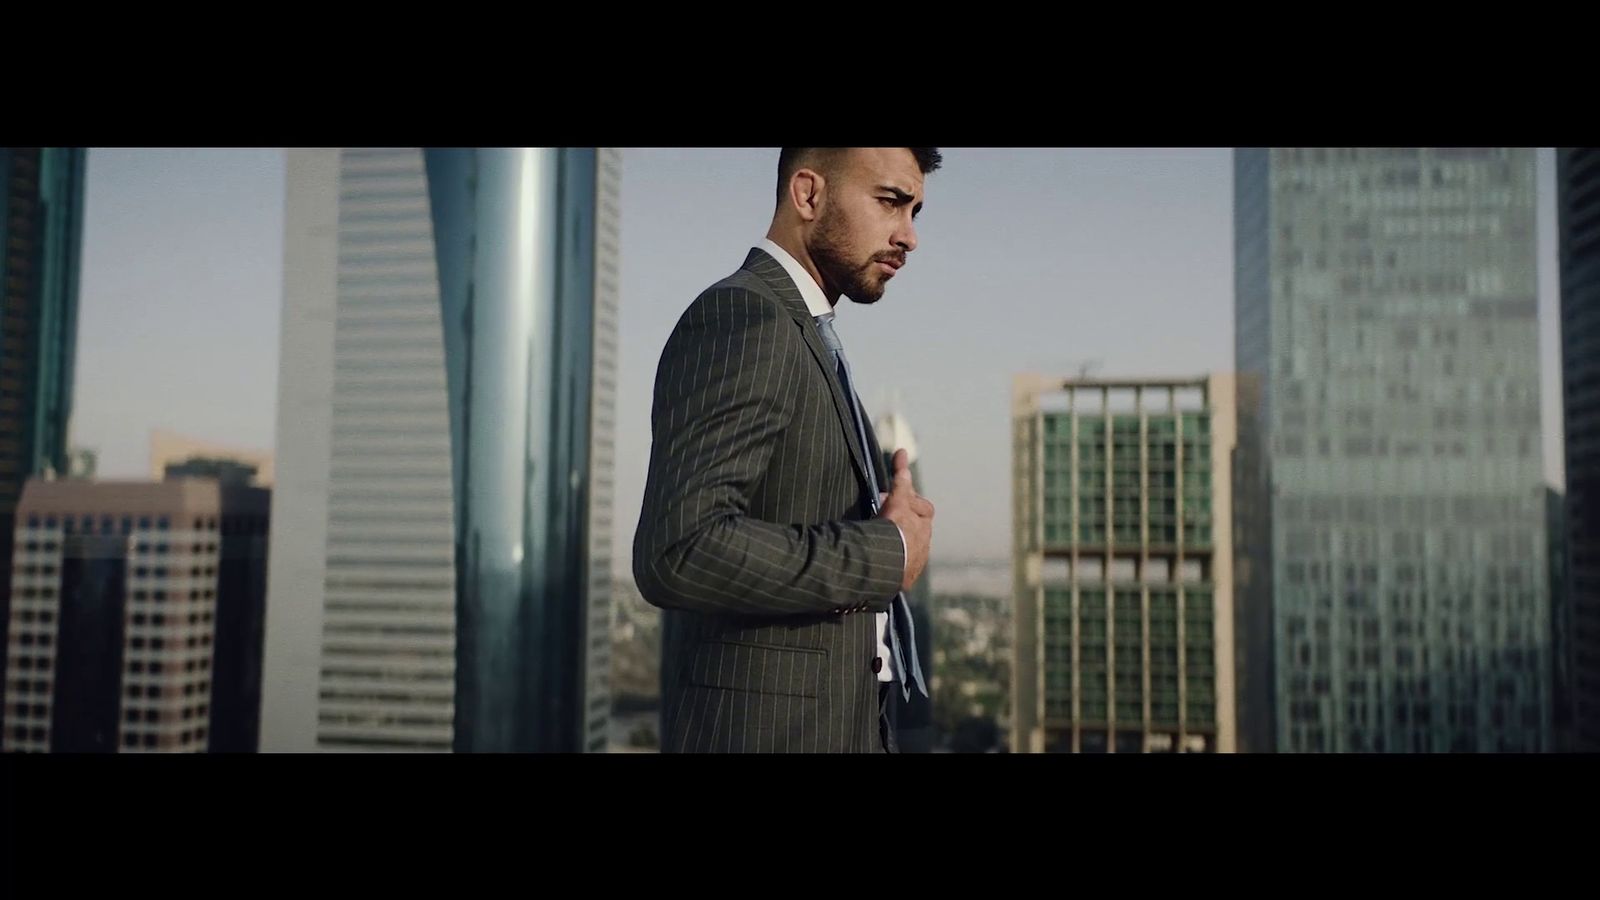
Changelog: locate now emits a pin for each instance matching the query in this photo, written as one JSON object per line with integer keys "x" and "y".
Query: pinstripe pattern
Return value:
{"x": 755, "y": 527}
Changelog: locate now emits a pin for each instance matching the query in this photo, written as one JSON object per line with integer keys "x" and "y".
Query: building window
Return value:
{"x": 164, "y": 523}
{"x": 127, "y": 524}
{"x": 144, "y": 523}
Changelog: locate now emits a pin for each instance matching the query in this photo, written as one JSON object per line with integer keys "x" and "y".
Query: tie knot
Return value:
{"x": 830, "y": 338}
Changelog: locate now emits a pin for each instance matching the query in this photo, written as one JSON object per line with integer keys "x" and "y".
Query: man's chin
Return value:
{"x": 866, "y": 295}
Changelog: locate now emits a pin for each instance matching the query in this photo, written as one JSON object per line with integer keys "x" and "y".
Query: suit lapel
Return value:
{"x": 769, "y": 270}
{"x": 879, "y": 464}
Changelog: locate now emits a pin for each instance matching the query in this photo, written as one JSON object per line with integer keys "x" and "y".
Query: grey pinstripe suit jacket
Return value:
{"x": 755, "y": 529}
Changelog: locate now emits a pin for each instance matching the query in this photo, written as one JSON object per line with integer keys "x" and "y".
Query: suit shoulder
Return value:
{"x": 741, "y": 298}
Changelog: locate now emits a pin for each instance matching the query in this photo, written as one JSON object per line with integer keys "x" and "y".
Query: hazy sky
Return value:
{"x": 1034, "y": 259}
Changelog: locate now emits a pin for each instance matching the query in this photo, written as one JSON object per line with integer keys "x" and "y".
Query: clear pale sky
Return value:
{"x": 1030, "y": 259}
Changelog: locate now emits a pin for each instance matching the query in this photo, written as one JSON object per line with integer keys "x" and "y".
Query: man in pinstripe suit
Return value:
{"x": 771, "y": 536}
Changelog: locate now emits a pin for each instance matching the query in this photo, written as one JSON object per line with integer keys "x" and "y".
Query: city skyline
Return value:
{"x": 183, "y": 265}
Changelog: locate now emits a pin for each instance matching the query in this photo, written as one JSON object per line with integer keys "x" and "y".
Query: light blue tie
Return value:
{"x": 899, "y": 612}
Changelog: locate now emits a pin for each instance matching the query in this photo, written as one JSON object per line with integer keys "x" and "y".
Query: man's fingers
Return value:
{"x": 902, "y": 471}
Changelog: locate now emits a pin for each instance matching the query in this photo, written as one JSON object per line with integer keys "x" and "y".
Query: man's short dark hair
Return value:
{"x": 790, "y": 159}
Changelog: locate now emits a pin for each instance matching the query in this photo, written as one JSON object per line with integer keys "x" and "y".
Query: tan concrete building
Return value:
{"x": 116, "y": 619}
{"x": 1123, "y": 565}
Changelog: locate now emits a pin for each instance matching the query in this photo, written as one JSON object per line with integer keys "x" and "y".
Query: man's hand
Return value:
{"x": 913, "y": 513}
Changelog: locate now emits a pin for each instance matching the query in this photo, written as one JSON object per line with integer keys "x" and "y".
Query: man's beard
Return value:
{"x": 831, "y": 253}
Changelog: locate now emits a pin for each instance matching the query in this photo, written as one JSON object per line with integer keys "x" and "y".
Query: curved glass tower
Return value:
{"x": 483, "y": 446}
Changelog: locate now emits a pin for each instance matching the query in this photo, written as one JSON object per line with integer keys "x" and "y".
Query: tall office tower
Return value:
{"x": 1393, "y": 590}
{"x": 41, "y": 236}
{"x": 1123, "y": 565}
{"x": 441, "y": 530}
{"x": 136, "y": 624}
{"x": 1578, "y": 211}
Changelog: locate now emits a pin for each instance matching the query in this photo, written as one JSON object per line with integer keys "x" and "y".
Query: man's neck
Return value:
{"x": 795, "y": 247}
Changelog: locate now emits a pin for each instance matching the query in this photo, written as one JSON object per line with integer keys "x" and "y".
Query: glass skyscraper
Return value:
{"x": 1393, "y": 589}
{"x": 445, "y": 453}
{"x": 41, "y": 235}
{"x": 1578, "y": 209}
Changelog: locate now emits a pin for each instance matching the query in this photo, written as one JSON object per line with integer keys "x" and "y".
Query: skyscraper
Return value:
{"x": 41, "y": 235}
{"x": 1123, "y": 565}
{"x": 136, "y": 622}
{"x": 1578, "y": 211}
{"x": 1393, "y": 582}
{"x": 441, "y": 550}
{"x": 1562, "y": 738}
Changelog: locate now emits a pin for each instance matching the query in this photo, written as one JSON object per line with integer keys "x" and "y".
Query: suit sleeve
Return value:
{"x": 725, "y": 390}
